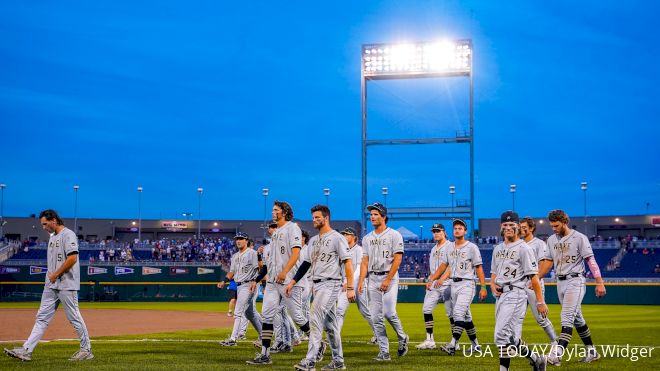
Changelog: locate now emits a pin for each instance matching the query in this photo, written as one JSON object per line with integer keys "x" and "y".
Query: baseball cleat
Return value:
{"x": 241, "y": 337}
{"x": 305, "y": 365}
{"x": 260, "y": 359}
{"x": 334, "y": 365}
{"x": 592, "y": 356}
{"x": 281, "y": 348}
{"x": 304, "y": 338}
{"x": 374, "y": 340}
{"x": 539, "y": 364}
{"x": 228, "y": 343}
{"x": 383, "y": 357}
{"x": 553, "y": 359}
{"x": 403, "y": 347}
{"x": 81, "y": 355}
{"x": 19, "y": 353}
{"x": 450, "y": 350}
{"x": 474, "y": 349}
{"x": 321, "y": 352}
{"x": 426, "y": 344}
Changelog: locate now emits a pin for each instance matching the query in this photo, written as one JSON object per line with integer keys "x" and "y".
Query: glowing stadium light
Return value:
{"x": 421, "y": 59}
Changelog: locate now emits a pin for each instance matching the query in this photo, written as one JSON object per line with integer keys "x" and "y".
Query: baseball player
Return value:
{"x": 61, "y": 286}
{"x": 244, "y": 267}
{"x": 436, "y": 290}
{"x": 283, "y": 261}
{"x": 383, "y": 252}
{"x": 568, "y": 250}
{"x": 355, "y": 251}
{"x": 513, "y": 269}
{"x": 527, "y": 229}
{"x": 464, "y": 260}
{"x": 325, "y": 256}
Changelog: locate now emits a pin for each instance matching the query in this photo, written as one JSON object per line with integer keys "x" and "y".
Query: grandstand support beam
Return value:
{"x": 402, "y": 61}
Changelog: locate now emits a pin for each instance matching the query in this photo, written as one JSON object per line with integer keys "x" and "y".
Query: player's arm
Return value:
{"x": 442, "y": 268}
{"x": 70, "y": 261}
{"x": 482, "y": 281}
{"x": 540, "y": 301}
{"x": 443, "y": 278}
{"x": 228, "y": 277}
{"x": 300, "y": 273}
{"x": 295, "y": 254}
{"x": 348, "y": 269}
{"x": 363, "y": 272}
{"x": 595, "y": 271}
{"x": 545, "y": 266}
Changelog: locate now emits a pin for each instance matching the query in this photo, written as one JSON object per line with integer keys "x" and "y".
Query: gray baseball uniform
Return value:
{"x": 512, "y": 264}
{"x": 538, "y": 248}
{"x": 568, "y": 254}
{"x": 438, "y": 294}
{"x": 326, "y": 254}
{"x": 380, "y": 250}
{"x": 244, "y": 266}
{"x": 64, "y": 290}
{"x": 462, "y": 261}
{"x": 360, "y": 299}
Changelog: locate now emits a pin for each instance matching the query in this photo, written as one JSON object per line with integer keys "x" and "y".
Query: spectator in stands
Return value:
{"x": 657, "y": 268}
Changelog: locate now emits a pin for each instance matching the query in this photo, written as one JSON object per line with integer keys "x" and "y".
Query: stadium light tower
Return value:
{"x": 583, "y": 187}
{"x": 326, "y": 193}
{"x": 75, "y": 209}
{"x": 139, "y": 190}
{"x": 410, "y": 61}
{"x": 264, "y": 192}
{"x": 199, "y": 212}
{"x": 512, "y": 189}
{"x": 2, "y": 211}
{"x": 385, "y": 192}
{"x": 452, "y": 192}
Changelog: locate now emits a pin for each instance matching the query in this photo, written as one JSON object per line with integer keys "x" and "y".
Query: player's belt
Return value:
{"x": 461, "y": 279}
{"x": 507, "y": 288}
{"x": 325, "y": 279}
{"x": 567, "y": 276}
{"x": 241, "y": 283}
{"x": 378, "y": 273}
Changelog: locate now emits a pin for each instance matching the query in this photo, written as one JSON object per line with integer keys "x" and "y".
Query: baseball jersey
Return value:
{"x": 244, "y": 265}
{"x": 326, "y": 253}
{"x": 538, "y": 247}
{"x": 60, "y": 245}
{"x": 284, "y": 240}
{"x": 435, "y": 257}
{"x": 513, "y": 263}
{"x": 462, "y": 260}
{"x": 568, "y": 253}
{"x": 355, "y": 254}
{"x": 380, "y": 248}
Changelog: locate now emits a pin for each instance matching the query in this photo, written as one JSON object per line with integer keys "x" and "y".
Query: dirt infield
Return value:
{"x": 110, "y": 322}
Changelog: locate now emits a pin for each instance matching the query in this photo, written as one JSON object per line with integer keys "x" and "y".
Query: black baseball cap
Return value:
{"x": 437, "y": 227}
{"x": 459, "y": 221}
{"x": 509, "y": 216}
{"x": 241, "y": 235}
{"x": 349, "y": 230}
{"x": 379, "y": 207}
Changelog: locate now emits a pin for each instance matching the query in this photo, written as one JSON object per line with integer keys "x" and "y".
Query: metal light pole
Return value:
{"x": 421, "y": 233}
{"x": 385, "y": 192}
{"x": 452, "y": 191}
{"x": 2, "y": 211}
{"x": 139, "y": 189}
{"x": 75, "y": 210}
{"x": 326, "y": 192}
{"x": 199, "y": 212}
{"x": 512, "y": 189}
{"x": 264, "y": 192}
{"x": 583, "y": 187}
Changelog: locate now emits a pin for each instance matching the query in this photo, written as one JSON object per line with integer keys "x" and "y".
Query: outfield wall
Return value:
{"x": 198, "y": 283}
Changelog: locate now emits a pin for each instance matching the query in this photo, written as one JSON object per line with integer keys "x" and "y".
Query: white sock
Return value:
{"x": 453, "y": 342}
{"x": 429, "y": 337}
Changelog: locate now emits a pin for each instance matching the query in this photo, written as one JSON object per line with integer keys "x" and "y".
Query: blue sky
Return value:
{"x": 234, "y": 97}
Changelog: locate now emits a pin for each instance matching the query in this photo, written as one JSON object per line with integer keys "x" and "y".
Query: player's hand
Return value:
{"x": 600, "y": 290}
{"x": 260, "y": 250}
{"x": 253, "y": 286}
{"x": 360, "y": 288}
{"x": 288, "y": 288}
{"x": 52, "y": 277}
{"x": 429, "y": 285}
{"x": 438, "y": 283}
{"x": 495, "y": 290}
{"x": 280, "y": 278}
{"x": 482, "y": 294}
{"x": 385, "y": 285}
{"x": 221, "y": 284}
{"x": 542, "y": 309}
{"x": 350, "y": 295}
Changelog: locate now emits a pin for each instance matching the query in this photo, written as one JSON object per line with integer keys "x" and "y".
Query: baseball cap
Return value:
{"x": 349, "y": 230}
{"x": 509, "y": 216}
{"x": 437, "y": 227}
{"x": 461, "y": 222}
{"x": 379, "y": 207}
{"x": 242, "y": 235}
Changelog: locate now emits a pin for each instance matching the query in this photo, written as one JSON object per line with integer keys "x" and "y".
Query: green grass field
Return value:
{"x": 610, "y": 324}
